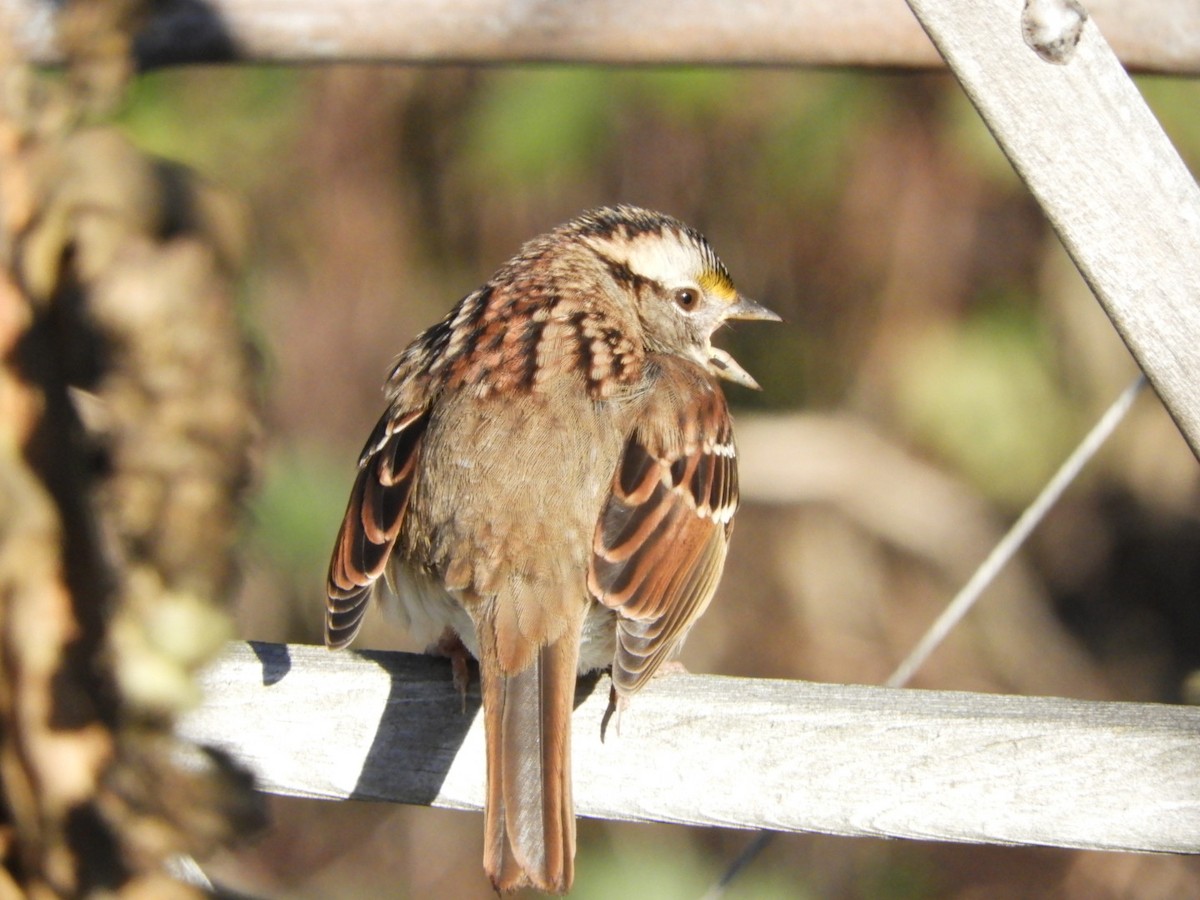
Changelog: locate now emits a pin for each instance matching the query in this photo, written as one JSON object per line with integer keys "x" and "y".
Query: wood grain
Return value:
{"x": 740, "y": 753}
{"x": 1158, "y": 35}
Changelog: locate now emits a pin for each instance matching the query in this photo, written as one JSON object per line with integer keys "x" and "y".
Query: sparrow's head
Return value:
{"x": 681, "y": 291}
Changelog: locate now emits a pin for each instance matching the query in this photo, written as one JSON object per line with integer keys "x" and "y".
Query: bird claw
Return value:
{"x": 450, "y": 646}
{"x": 617, "y": 703}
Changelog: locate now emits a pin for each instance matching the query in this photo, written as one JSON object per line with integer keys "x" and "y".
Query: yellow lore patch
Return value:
{"x": 718, "y": 285}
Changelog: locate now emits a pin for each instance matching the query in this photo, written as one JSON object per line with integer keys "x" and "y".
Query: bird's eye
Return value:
{"x": 687, "y": 298}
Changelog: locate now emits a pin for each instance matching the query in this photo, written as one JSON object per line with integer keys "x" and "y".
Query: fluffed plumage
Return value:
{"x": 554, "y": 482}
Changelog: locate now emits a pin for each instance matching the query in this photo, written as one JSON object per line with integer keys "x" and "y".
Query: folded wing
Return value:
{"x": 374, "y": 515}
{"x": 660, "y": 542}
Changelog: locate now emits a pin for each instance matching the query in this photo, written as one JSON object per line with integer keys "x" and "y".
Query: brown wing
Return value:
{"x": 378, "y": 501}
{"x": 660, "y": 542}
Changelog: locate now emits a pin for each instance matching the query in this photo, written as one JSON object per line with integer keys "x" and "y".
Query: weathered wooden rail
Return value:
{"x": 733, "y": 752}
{"x": 1151, "y": 35}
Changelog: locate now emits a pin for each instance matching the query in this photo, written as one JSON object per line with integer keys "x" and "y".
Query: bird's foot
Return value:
{"x": 450, "y": 646}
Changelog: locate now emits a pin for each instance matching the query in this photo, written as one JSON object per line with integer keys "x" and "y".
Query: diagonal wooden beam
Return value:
{"x": 1104, "y": 172}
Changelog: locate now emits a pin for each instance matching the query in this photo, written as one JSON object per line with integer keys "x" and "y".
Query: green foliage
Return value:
{"x": 693, "y": 97}
{"x": 298, "y": 509}
{"x": 974, "y": 144}
{"x": 809, "y": 126}
{"x": 983, "y": 395}
{"x": 897, "y": 877}
{"x": 530, "y": 126}
{"x": 667, "y": 869}
{"x": 1176, "y": 103}
{"x": 228, "y": 123}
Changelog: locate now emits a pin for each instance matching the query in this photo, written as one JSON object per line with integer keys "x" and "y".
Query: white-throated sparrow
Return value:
{"x": 554, "y": 482}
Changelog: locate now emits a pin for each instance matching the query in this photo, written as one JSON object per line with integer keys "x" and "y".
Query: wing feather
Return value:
{"x": 661, "y": 538}
{"x": 374, "y": 516}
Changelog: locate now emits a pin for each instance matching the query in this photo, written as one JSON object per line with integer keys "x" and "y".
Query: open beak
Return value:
{"x": 721, "y": 363}
{"x": 725, "y": 366}
{"x": 745, "y": 308}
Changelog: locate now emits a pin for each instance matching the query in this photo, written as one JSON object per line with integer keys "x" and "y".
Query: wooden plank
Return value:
{"x": 1161, "y": 35}
{"x": 740, "y": 753}
{"x": 1107, "y": 177}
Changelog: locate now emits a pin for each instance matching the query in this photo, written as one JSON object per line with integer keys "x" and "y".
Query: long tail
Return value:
{"x": 529, "y": 820}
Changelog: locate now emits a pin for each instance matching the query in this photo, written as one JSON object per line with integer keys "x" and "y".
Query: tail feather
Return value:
{"x": 529, "y": 827}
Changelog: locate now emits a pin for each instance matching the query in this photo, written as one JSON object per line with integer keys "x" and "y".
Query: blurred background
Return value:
{"x": 941, "y": 356}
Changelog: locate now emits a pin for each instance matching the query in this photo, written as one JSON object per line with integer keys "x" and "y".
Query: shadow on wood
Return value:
{"x": 732, "y": 752}
{"x": 441, "y": 718}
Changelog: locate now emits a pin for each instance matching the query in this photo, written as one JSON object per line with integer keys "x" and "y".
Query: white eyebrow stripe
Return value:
{"x": 668, "y": 258}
